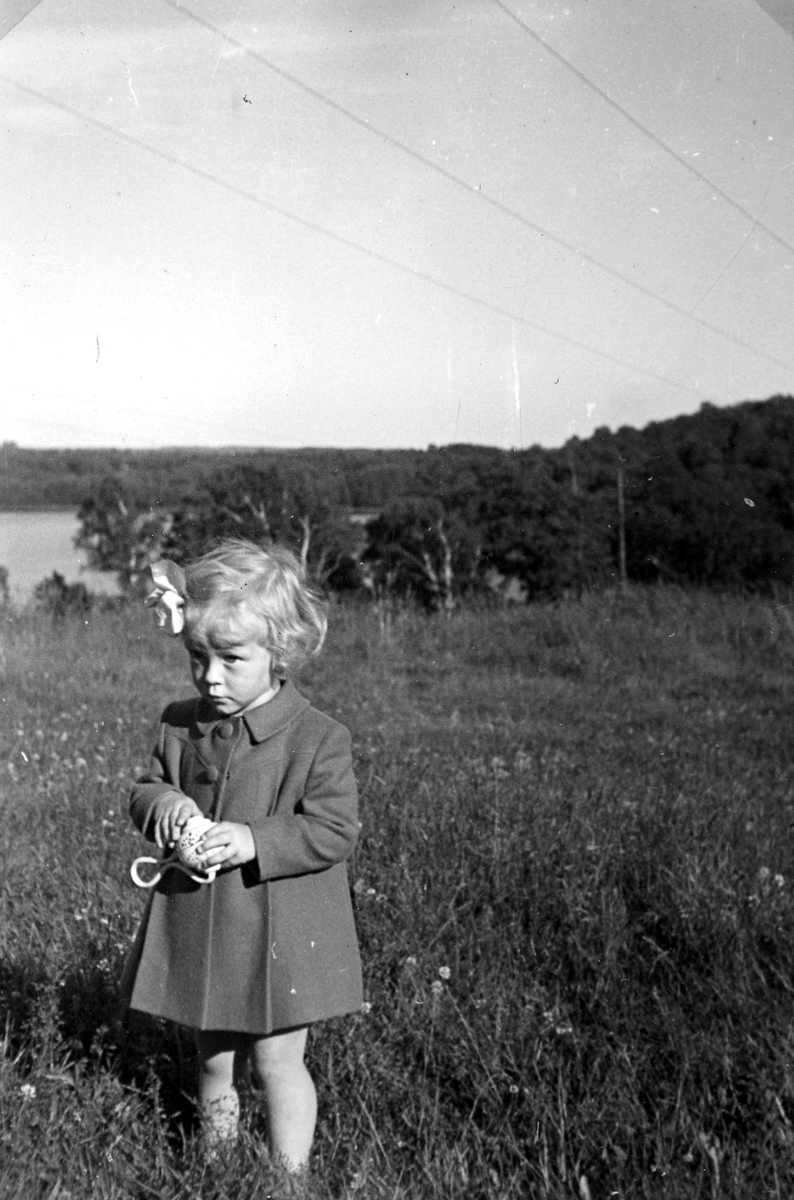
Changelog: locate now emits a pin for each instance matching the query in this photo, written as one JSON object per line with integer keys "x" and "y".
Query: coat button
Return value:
{"x": 213, "y": 774}
{"x": 226, "y": 729}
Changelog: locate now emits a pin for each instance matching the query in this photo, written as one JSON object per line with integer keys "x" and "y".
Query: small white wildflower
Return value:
{"x": 558, "y": 1022}
{"x": 28, "y": 1091}
{"x": 779, "y": 881}
{"x": 366, "y": 1008}
{"x": 522, "y": 761}
{"x": 444, "y": 972}
{"x": 514, "y": 1089}
{"x": 436, "y": 987}
{"x": 499, "y": 768}
{"x": 410, "y": 961}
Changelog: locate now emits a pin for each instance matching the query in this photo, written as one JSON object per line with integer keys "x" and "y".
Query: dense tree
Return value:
{"x": 120, "y": 531}
{"x": 287, "y": 504}
{"x": 714, "y": 505}
{"x": 416, "y": 549}
{"x": 706, "y": 498}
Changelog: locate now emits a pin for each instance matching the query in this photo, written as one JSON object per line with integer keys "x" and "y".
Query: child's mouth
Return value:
{"x": 224, "y": 704}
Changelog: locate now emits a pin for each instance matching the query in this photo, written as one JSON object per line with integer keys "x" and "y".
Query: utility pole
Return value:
{"x": 578, "y": 506}
{"x": 624, "y": 580}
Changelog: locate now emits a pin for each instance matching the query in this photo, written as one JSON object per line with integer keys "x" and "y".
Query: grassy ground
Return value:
{"x": 574, "y": 897}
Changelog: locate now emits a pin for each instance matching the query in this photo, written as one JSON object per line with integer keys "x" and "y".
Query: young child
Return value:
{"x": 250, "y": 960}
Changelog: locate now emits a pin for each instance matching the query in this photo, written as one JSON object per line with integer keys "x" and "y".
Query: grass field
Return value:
{"x": 573, "y": 889}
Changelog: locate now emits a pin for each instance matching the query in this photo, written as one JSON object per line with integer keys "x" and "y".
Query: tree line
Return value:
{"x": 706, "y": 499}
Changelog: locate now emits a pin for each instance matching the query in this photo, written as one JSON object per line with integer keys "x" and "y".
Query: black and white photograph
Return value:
{"x": 397, "y": 600}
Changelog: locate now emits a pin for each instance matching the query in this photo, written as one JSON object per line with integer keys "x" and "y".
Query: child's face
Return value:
{"x": 231, "y": 672}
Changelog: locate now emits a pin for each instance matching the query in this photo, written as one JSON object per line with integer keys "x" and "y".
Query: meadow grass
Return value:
{"x": 573, "y": 892}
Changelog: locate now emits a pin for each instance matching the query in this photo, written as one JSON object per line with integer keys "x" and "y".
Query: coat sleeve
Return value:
{"x": 156, "y": 789}
{"x": 323, "y": 828}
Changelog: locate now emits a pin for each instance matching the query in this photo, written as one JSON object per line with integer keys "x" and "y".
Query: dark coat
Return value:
{"x": 272, "y": 944}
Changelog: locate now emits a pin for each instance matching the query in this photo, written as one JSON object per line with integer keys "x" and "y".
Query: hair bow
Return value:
{"x": 168, "y": 597}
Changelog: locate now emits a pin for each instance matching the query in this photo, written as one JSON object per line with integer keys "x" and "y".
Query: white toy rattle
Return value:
{"x": 185, "y": 857}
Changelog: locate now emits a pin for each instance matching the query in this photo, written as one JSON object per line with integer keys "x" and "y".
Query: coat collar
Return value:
{"x": 261, "y": 722}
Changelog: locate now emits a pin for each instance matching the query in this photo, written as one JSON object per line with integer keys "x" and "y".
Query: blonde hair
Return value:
{"x": 239, "y": 585}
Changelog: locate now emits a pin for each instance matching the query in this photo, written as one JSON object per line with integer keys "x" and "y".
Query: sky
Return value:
{"x": 390, "y": 222}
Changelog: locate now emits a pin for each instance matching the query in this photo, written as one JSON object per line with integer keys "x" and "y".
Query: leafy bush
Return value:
{"x": 59, "y": 598}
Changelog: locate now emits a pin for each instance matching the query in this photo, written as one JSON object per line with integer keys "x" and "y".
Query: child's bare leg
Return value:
{"x": 221, "y": 1057}
{"x": 289, "y": 1091}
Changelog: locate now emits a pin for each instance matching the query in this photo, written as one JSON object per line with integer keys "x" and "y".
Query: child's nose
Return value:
{"x": 212, "y": 671}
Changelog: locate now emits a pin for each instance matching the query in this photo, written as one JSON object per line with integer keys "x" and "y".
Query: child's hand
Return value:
{"x": 227, "y": 844}
{"x": 169, "y": 825}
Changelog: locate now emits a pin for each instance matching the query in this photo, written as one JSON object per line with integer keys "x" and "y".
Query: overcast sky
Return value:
{"x": 390, "y": 222}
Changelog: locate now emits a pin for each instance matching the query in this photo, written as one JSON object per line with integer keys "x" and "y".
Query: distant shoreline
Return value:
{"x": 37, "y": 508}
{"x": 34, "y": 543}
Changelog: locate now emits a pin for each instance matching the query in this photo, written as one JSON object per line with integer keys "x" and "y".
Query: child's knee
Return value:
{"x": 217, "y": 1069}
{"x": 278, "y": 1054}
{"x": 220, "y": 1055}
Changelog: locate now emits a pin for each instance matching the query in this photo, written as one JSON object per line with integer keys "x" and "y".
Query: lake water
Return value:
{"x": 34, "y": 544}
